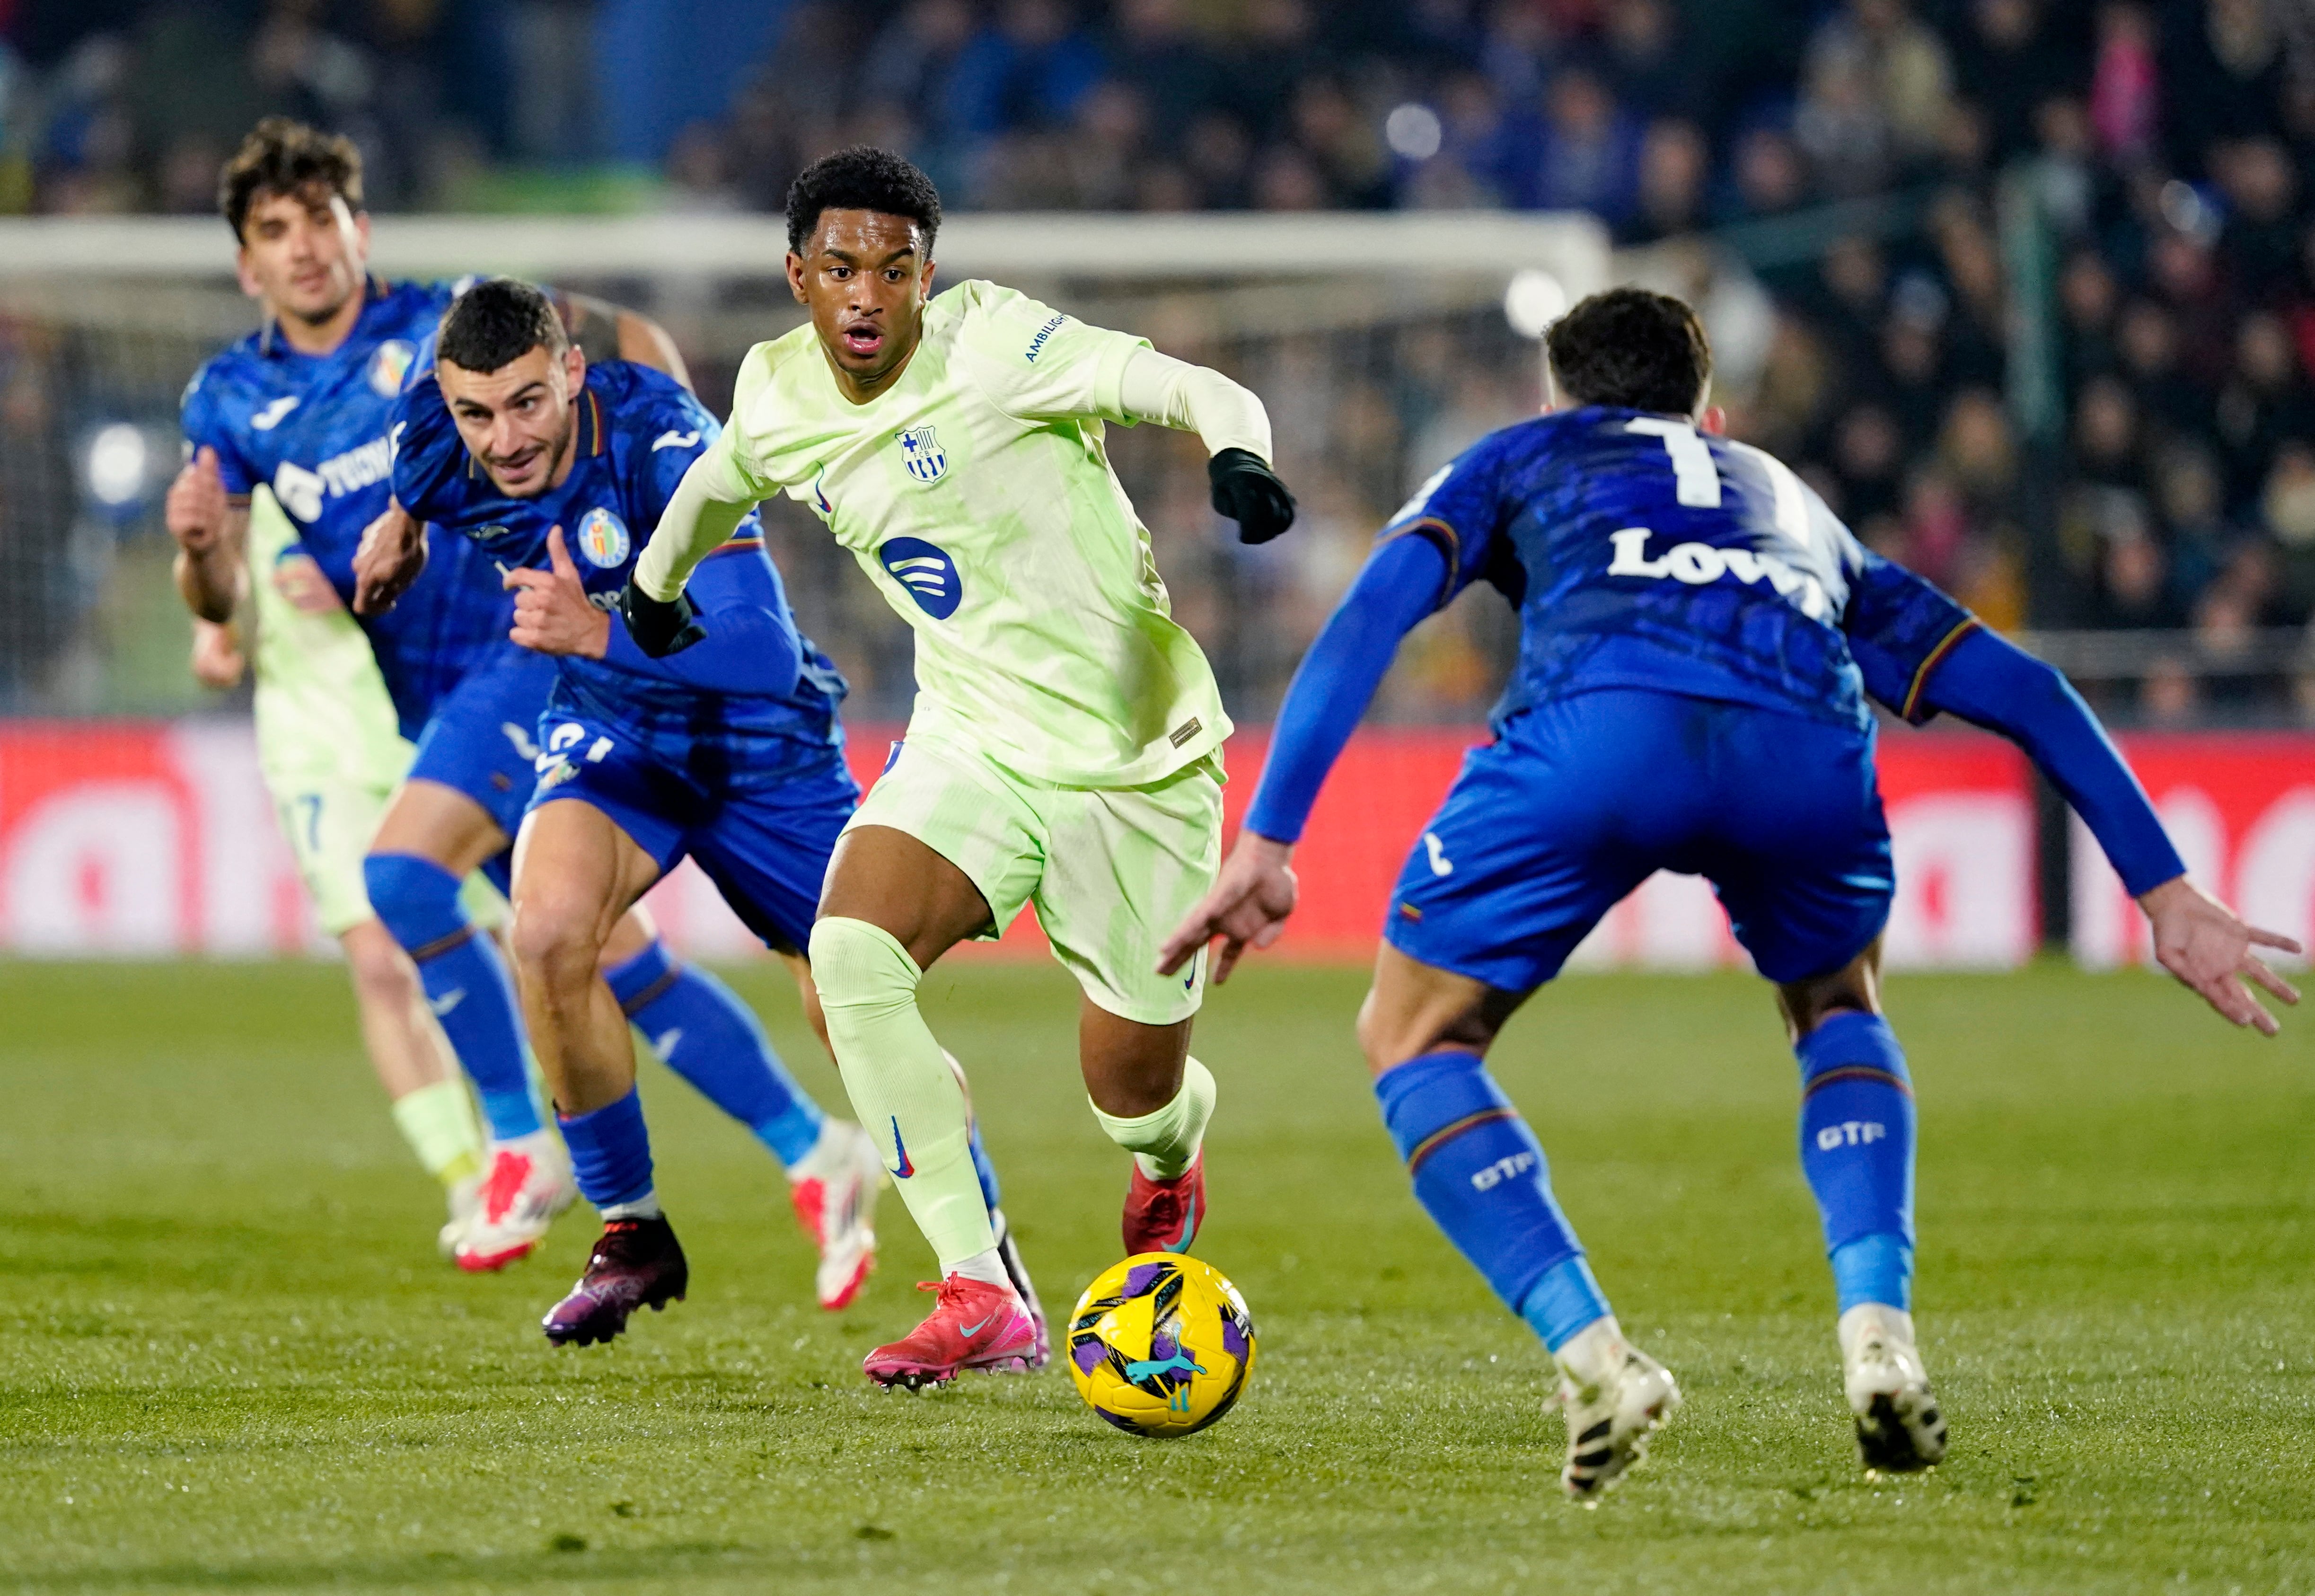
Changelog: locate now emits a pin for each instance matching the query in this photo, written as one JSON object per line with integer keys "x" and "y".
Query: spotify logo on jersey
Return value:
{"x": 927, "y": 572}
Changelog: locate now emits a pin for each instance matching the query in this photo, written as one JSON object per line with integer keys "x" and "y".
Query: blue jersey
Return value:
{"x": 1642, "y": 553}
{"x": 637, "y": 431}
{"x": 313, "y": 427}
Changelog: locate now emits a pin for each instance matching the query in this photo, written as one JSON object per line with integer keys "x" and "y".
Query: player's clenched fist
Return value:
{"x": 392, "y": 556}
{"x": 552, "y": 611}
{"x": 196, "y": 507}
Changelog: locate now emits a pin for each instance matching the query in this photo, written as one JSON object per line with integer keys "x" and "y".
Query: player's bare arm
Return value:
{"x": 210, "y": 526}
{"x": 217, "y": 660}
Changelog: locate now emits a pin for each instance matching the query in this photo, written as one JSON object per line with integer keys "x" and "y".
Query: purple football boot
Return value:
{"x": 635, "y": 1263}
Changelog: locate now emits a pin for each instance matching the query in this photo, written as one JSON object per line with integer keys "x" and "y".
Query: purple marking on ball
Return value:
{"x": 1126, "y": 1424}
{"x": 1233, "y": 1338}
{"x": 1162, "y": 1345}
{"x": 1142, "y": 1277}
{"x": 1087, "y": 1355}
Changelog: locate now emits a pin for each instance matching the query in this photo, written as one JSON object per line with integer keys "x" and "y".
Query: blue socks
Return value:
{"x": 1857, "y": 1150}
{"x": 703, "y": 1032}
{"x": 610, "y": 1152}
{"x": 1480, "y": 1175}
{"x": 466, "y": 981}
{"x": 990, "y": 1192}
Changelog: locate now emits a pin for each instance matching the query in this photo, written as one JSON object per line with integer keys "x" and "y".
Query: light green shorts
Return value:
{"x": 1111, "y": 870}
{"x": 329, "y": 825}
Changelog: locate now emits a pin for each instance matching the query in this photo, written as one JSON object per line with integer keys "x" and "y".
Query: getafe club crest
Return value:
{"x": 921, "y": 453}
{"x": 603, "y": 539}
{"x": 389, "y": 363}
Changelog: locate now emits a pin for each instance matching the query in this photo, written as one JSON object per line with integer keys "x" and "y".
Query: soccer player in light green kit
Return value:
{"x": 1066, "y": 745}
{"x": 332, "y": 757}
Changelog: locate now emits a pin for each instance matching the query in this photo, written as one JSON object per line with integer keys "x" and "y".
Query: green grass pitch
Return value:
{"x": 229, "y": 1357}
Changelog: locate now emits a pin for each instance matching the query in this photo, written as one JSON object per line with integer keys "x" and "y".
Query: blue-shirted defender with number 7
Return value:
{"x": 1699, "y": 638}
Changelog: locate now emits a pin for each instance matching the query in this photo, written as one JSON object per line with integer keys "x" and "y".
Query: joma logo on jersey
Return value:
{"x": 921, "y": 453}
{"x": 302, "y": 491}
{"x": 1501, "y": 1170}
{"x": 1699, "y": 565}
{"x": 927, "y": 572}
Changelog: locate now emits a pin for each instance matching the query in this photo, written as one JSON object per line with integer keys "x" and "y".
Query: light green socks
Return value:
{"x": 901, "y": 1083}
{"x": 1165, "y": 1141}
{"x": 437, "y": 1121}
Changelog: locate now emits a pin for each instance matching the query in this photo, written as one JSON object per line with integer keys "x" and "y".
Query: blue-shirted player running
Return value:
{"x": 727, "y": 749}
{"x": 1698, "y": 639}
{"x": 304, "y": 406}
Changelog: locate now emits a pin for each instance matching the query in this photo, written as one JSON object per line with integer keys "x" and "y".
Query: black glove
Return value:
{"x": 659, "y": 628}
{"x": 1250, "y": 493}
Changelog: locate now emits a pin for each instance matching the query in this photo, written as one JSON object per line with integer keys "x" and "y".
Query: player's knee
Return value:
{"x": 381, "y": 973}
{"x": 860, "y": 968}
{"x": 557, "y": 939}
{"x": 1393, "y": 1029}
{"x": 416, "y": 899}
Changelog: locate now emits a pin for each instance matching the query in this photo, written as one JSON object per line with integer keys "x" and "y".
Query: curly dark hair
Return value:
{"x": 862, "y": 178}
{"x": 281, "y": 156}
{"x": 1633, "y": 349}
{"x": 497, "y": 322}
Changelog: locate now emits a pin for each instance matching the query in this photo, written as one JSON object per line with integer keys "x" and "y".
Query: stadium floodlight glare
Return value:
{"x": 1533, "y": 300}
{"x": 115, "y": 465}
{"x": 1412, "y": 130}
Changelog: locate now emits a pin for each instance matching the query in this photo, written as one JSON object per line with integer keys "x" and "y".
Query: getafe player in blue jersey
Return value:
{"x": 303, "y": 405}
{"x": 727, "y": 749}
{"x": 1698, "y": 639}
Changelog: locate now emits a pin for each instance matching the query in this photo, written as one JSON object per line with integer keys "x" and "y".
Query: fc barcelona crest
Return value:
{"x": 921, "y": 453}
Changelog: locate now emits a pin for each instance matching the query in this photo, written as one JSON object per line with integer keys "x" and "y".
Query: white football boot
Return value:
{"x": 1615, "y": 1397}
{"x": 464, "y": 1198}
{"x": 529, "y": 1183}
{"x": 834, "y": 1189}
{"x": 1899, "y": 1426}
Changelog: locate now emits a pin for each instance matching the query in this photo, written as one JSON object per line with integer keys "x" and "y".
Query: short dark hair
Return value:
{"x": 1633, "y": 349}
{"x": 281, "y": 156}
{"x": 498, "y": 321}
{"x": 862, "y": 178}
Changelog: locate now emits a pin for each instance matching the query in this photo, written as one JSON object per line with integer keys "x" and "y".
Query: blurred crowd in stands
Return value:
{"x": 1888, "y": 210}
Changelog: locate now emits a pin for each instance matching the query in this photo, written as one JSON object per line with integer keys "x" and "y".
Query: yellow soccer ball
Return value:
{"x": 1161, "y": 1344}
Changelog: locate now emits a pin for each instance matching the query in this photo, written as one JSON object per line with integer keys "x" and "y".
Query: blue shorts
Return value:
{"x": 762, "y": 837}
{"x": 1580, "y": 800}
{"x": 478, "y": 739}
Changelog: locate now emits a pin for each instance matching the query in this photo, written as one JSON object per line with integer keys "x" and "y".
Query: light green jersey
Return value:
{"x": 321, "y": 708}
{"x": 976, "y": 493}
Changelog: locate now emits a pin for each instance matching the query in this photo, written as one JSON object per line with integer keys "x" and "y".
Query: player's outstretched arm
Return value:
{"x": 1230, "y": 422}
{"x": 606, "y": 331}
{"x": 1994, "y": 684}
{"x": 1397, "y": 587}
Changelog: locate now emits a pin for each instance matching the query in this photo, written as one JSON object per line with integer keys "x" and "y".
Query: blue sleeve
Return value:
{"x": 751, "y": 645}
{"x": 1459, "y": 511}
{"x": 202, "y": 414}
{"x": 682, "y": 430}
{"x": 1900, "y": 627}
{"x": 1991, "y": 683}
{"x": 1401, "y": 583}
{"x": 430, "y": 457}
